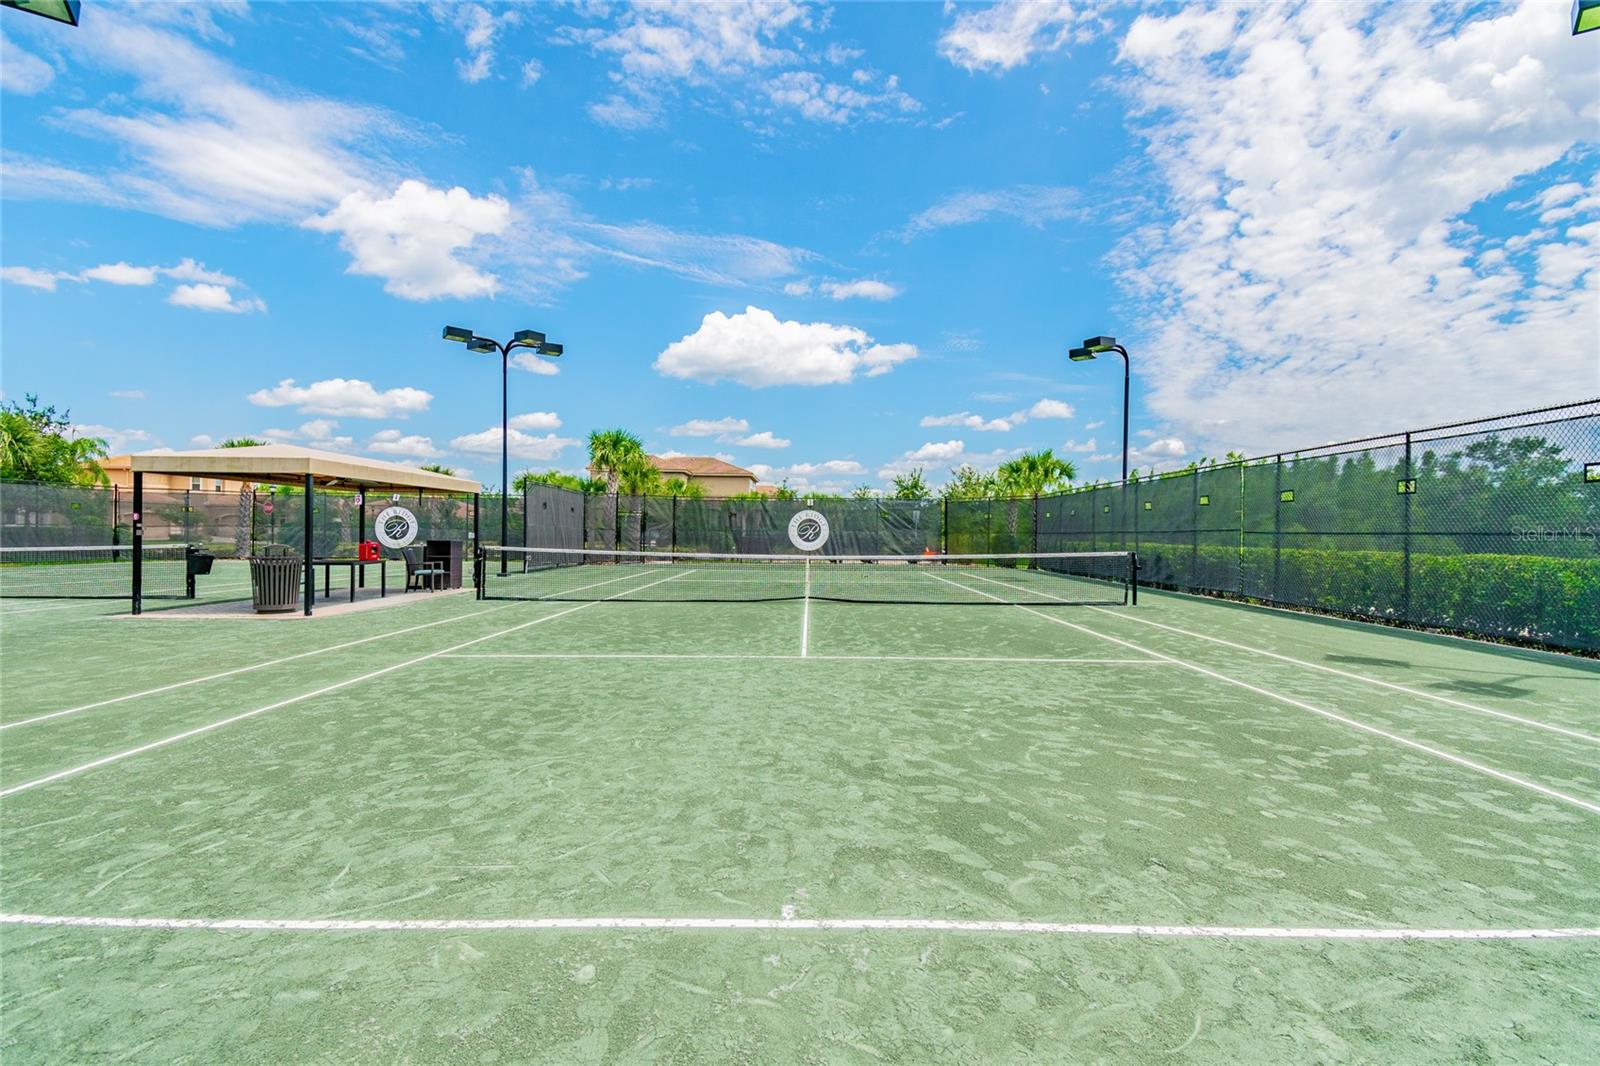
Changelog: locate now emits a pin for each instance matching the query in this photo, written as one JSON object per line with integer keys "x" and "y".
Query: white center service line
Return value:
{"x": 1583, "y": 804}
{"x": 185, "y": 735}
{"x": 786, "y": 924}
{"x": 810, "y": 658}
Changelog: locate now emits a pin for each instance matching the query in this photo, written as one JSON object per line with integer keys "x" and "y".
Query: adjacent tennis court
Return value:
{"x": 616, "y": 826}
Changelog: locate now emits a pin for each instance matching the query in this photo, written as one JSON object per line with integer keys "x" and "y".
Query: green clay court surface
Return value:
{"x": 459, "y": 830}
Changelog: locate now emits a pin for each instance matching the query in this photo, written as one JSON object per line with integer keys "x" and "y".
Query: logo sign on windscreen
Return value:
{"x": 808, "y": 530}
{"x": 395, "y": 527}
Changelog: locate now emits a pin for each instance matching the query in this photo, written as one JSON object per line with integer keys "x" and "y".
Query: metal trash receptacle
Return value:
{"x": 275, "y": 582}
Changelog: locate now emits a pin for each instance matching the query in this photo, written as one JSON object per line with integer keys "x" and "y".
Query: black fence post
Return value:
{"x": 672, "y": 537}
{"x": 1034, "y": 564}
{"x": 1277, "y": 528}
{"x": 1405, "y": 536}
{"x": 477, "y": 546}
{"x": 1194, "y": 527}
{"x": 1239, "y": 575}
{"x": 138, "y": 542}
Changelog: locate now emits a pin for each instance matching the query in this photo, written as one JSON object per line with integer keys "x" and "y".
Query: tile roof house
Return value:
{"x": 716, "y": 477}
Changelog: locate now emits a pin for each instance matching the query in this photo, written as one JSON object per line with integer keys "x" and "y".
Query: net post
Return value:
{"x": 1133, "y": 579}
{"x": 672, "y": 538}
{"x": 1033, "y": 564}
{"x": 137, "y": 605}
{"x": 309, "y": 573}
{"x": 361, "y": 535}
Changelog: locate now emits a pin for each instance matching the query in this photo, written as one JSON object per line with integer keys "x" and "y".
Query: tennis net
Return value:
{"x": 1042, "y": 579}
{"x": 98, "y": 572}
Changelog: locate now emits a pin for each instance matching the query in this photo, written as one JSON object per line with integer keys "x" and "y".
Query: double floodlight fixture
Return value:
{"x": 1585, "y": 16}
{"x": 523, "y": 338}
{"x": 1092, "y": 347}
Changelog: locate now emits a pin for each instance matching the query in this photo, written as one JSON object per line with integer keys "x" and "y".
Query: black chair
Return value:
{"x": 420, "y": 573}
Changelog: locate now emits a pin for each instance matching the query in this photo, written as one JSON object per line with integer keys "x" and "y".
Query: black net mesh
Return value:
{"x": 35, "y": 515}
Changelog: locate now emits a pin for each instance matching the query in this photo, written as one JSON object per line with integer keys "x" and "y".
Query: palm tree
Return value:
{"x": 611, "y": 453}
{"x": 1034, "y": 473}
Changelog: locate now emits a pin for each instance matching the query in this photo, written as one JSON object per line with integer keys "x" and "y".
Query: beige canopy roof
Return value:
{"x": 287, "y": 464}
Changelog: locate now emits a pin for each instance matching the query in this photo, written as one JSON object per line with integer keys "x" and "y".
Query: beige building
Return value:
{"x": 119, "y": 468}
{"x": 717, "y": 478}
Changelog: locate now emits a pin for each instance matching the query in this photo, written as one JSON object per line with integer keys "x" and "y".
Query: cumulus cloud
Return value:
{"x": 408, "y": 445}
{"x": 755, "y": 348}
{"x": 944, "y": 455}
{"x": 346, "y": 397}
{"x": 521, "y": 445}
{"x": 1315, "y": 263}
{"x": 118, "y": 441}
{"x": 764, "y": 439}
{"x": 121, "y": 274}
{"x": 317, "y": 433}
{"x": 536, "y": 364}
{"x": 536, "y": 420}
{"x": 1041, "y": 409}
{"x": 411, "y": 239}
{"x": 829, "y": 475}
{"x": 213, "y": 298}
{"x": 128, "y": 394}
{"x": 709, "y": 427}
{"x": 33, "y": 279}
{"x": 864, "y": 289}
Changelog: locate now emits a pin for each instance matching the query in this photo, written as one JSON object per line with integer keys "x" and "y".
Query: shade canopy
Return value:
{"x": 287, "y": 464}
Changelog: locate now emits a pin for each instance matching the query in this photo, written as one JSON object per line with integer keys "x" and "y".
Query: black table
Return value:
{"x": 355, "y": 566}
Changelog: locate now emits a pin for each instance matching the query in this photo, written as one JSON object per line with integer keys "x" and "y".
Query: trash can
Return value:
{"x": 275, "y": 581}
{"x": 198, "y": 564}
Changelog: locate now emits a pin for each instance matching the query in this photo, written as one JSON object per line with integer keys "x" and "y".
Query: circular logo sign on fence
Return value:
{"x": 396, "y": 527}
{"x": 808, "y": 530}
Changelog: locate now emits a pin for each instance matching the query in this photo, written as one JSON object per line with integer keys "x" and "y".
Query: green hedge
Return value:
{"x": 1542, "y": 599}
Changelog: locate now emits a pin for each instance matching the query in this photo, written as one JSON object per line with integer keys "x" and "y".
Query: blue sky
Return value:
{"x": 828, "y": 242}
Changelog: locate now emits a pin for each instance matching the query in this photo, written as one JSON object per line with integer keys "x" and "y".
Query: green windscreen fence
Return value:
{"x": 341, "y": 520}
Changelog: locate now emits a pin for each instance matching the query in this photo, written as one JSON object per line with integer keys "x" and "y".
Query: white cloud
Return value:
{"x": 21, "y": 71}
{"x": 753, "y": 52}
{"x": 317, "y": 433}
{"x": 1032, "y": 205}
{"x": 724, "y": 259}
{"x": 1050, "y": 409}
{"x": 128, "y": 394}
{"x": 816, "y": 98}
{"x": 710, "y": 427}
{"x": 764, "y": 439}
{"x": 195, "y": 139}
{"x": 479, "y": 27}
{"x": 1315, "y": 265}
{"x": 536, "y": 420}
{"x": 830, "y": 475}
{"x": 1162, "y": 448}
{"x": 203, "y": 440}
{"x": 33, "y": 279}
{"x": 536, "y": 364}
{"x": 118, "y": 441}
{"x": 521, "y": 445}
{"x": 411, "y": 238}
{"x": 346, "y": 397}
{"x": 797, "y": 288}
{"x": 754, "y": 348}
{"x": 865, "y": 289}
{"x": 189, "y": 270}
{"x": 1095, "y": 425}
{"x": 213, "y": 298}
{"x": 532, "y": 71}
{"x": 1007, "y": 34}
{"x": 966, "y": 420}
{"x": 121, "y": 274}
{"x": 944, "y": 455}
{"x": 395, "y": 442}
{"x": 1087, "y": 446}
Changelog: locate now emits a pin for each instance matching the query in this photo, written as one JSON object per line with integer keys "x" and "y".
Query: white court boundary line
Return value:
{"x": 785, "y": 924}
{"x": 242, "y": 669}
{"x": 186, "y": 734}
{"x": 794, "y": 658}
{"x": 1352, "y": 675}
{"x": 1416, "y": 745}
{"x": 805, "y": 617}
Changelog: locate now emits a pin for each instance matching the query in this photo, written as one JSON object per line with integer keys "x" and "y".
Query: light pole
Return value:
{"x": 523, "y": 338}
{"x": 1092, "y": 347}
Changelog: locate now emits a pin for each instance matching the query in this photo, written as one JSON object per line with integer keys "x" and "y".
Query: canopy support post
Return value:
{"x": 305, "y": 552}
{"x": 138, "y": 543}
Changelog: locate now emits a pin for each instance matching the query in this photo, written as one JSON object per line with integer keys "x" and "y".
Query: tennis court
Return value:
{"x": 620, "y": 823}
